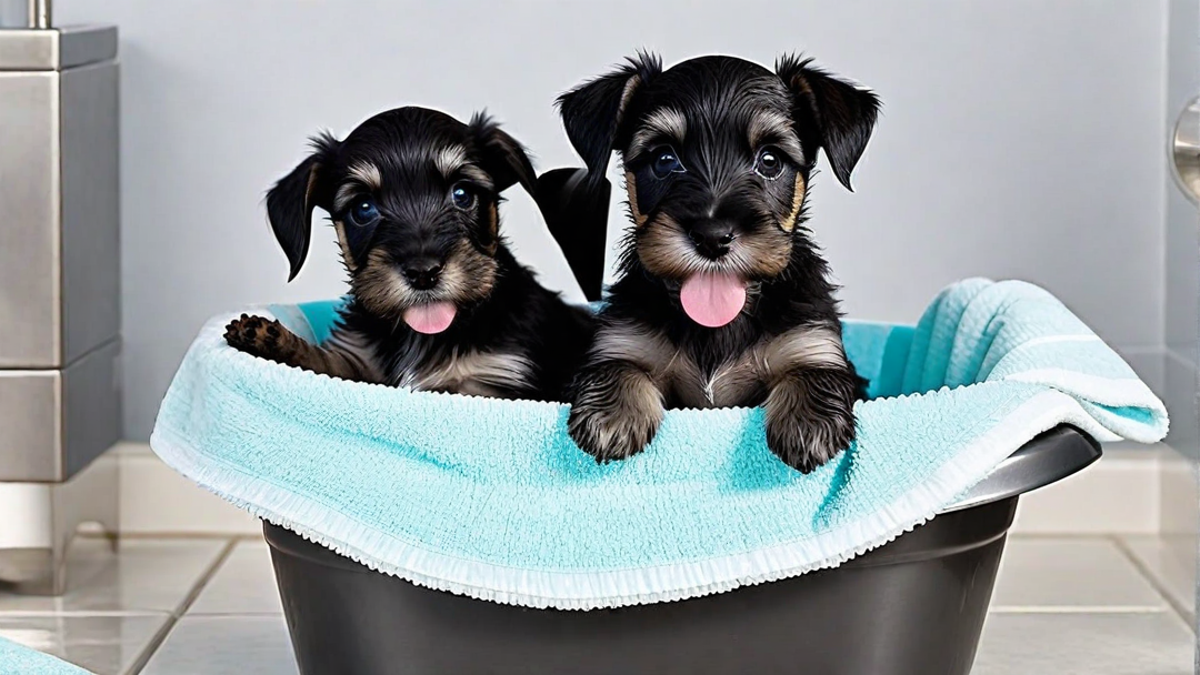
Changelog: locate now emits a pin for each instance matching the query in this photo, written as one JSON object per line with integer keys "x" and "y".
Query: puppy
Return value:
{"x": 723, "y": 298}
{"x": 438, "y": 302}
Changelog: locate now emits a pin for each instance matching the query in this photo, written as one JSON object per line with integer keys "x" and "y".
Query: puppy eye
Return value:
{"x": 462, "y": 196}
{"x": 364, "y": 212}
{"x": 665, "y": 162}
{"x": 769, "y": 163}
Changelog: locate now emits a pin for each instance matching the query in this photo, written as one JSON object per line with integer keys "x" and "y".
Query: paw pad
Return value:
{"x": 254, "y": 335}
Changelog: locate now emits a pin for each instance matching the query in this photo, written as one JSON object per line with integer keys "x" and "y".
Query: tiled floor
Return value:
{"x": 1092, "y": 605}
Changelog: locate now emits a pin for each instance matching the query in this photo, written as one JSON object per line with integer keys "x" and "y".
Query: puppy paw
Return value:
{"x": 260, "y": 337}
{"x": 615, "y": 414}
{"x": 810, "y": 418}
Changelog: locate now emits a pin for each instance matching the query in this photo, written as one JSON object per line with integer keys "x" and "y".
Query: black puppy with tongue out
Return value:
{"x": 723, "y": 298}
{"x": 438, "y": 302}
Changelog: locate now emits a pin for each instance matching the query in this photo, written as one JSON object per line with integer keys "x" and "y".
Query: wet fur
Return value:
{"x": 510, "y": 338}
{"x": 784, "y": 350}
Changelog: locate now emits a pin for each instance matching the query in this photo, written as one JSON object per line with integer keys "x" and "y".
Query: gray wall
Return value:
{"x": 1020, "y": 139}
{"x": 1182, "y": 266}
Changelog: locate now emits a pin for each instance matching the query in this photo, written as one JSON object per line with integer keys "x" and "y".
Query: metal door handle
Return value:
{"x": 1185, "y": 150}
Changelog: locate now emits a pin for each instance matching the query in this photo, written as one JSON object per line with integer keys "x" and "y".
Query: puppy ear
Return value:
{"x": 593, "y": 113}
{"x": 290, "y": 203}
{"x": 503, "y": 157}
{"x": 576, "y": 213}
{"x": 842, "y": 114}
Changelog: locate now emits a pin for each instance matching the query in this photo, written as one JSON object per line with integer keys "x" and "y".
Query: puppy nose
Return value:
{"x": 423, "y": 274}
{"x": 712, "y": 240}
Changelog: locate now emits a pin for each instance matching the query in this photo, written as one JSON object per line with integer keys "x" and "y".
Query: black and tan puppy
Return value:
{"x": 438, "y": 301}
{"x": 723, "y": 298}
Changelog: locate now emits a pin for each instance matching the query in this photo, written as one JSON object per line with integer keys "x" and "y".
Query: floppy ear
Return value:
{"x": 290, "y": 203}
{"x": 842, "y": 114}
{"x": 576, "y": 214}
{"x": 503, "y": 157}
{"x": 593, "y": 112}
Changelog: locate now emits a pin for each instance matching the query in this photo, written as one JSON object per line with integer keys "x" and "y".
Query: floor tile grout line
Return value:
{"x": 1153, "y": 580}
{"x": 169, "y": 536}
{"x": 172, "y": 618}
{"x": 206, "y": 577}
{"x": 81, "y": 613}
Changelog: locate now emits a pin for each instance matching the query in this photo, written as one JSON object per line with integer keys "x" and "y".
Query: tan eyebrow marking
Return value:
{"x": 368, "y": 174}
{"x": 345, "y": 193}
{"x": 449, "y": 159}
{"x": 776, "y": 128}
{"x": 662, "y": 122}
{"x": 453, "y": 160}
{"x": 362, "y": 174}
{"x": 768, "y": 124}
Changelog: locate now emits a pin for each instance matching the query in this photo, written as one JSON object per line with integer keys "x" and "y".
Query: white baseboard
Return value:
{"x": 1180, "y": 498}
{"x": 157, "y": 500}
{"x": 1131, "y": 490}
{"x": 1119, "y": 494}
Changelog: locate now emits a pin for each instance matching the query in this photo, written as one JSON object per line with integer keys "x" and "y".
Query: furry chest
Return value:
{"x": 735, "y": 382}
{"x": 476, "y": 373}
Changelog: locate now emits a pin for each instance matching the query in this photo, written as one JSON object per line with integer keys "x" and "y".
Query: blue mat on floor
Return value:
{"x": 17, "y": 659}
{"x": 491, "y": 499}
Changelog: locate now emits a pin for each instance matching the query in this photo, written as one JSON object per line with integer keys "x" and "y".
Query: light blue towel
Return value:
{"x": 490, "y": 498}
{"x": 17, "y": 659}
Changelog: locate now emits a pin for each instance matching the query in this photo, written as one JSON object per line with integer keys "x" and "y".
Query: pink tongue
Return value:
{"x": 432, "y": 318}
{"x": 713, "y": 300}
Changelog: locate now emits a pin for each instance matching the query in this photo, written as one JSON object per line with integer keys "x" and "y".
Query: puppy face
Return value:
{"x": 717, "y": 156}
{"x": 413, "y": 195}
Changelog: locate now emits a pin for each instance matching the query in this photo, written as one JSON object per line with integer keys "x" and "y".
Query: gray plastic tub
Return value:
{"x": 915, "y": 606}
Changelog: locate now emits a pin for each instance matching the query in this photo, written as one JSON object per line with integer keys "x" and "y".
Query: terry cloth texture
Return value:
{"x": 491, "y": 499}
